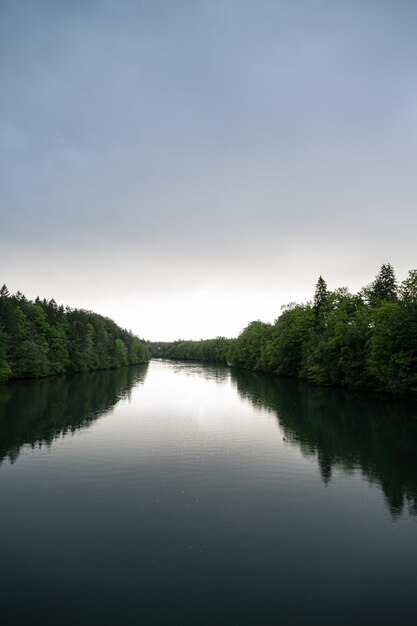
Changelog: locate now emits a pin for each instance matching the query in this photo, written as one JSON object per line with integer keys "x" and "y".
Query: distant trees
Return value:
{"x": 365, "y": 340}
{"x": 41, "y": 338}
{"x": 208, "y": 350}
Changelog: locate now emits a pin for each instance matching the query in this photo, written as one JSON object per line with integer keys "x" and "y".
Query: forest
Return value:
{"x": 39, "y": 338}
{"x": 366, "y": 340}
{"x": 210, "y": 350}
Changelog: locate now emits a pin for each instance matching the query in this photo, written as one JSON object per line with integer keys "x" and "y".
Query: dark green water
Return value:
{"x": 184, "y": 494}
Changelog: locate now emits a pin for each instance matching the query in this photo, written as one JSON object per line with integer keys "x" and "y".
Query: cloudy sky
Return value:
{"x": 187, "y": 166}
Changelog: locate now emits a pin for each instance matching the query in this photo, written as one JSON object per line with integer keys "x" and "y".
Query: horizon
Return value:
{"x": 187, "y": 168}
{"x": 185, "y": 338}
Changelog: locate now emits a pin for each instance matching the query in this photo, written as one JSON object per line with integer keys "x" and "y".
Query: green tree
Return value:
{"x": 246, "y": 351}
{"x": 4, "y": 292}
{"x": 283, "y": 352}
{"x": 384, "y": 287}
{"x": 320, "y": 295}
{"x": 392, "y": 359}
{"x": 408, "y": 288}
{"x": 58, "y": 348}
{"x": 335, "y": 353}
{"x": 41, "y": 338}
{"x": 5, "y": 369}
{"x": 32, "y": 360}
{"x": 120, "y": 353}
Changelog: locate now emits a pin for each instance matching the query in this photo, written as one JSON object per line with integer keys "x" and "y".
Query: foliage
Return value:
{"x": 209, "y": 350}
{"x": 384, "y": 287}
{"x": 41, "y": 338}
{"x": 366, "y": 340}
{"x": 320, "y": 295}
{"x": 247, "y": 350}
{"x": 283, "y": 353}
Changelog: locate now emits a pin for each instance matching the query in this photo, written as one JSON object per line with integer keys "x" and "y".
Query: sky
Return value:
{"x": 188, "y": 166}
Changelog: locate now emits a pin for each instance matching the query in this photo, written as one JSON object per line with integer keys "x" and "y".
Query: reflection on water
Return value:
{"x": 217, "y": 373}
{"x": 205, "y": 496}
{"x": 339, "y": 428}
{"x": 37, "y": 412}
{"x": 344, "y": 429}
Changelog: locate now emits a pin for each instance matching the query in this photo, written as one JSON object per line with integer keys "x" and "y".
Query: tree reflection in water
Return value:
{"x": 37, "y": 412}
{"x": 341, "y": 429}
{"x": 346, "y": 430}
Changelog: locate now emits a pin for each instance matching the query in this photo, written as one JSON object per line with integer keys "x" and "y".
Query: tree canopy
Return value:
{"x": 365, "y": 340}
{"x": 39, "y": 338}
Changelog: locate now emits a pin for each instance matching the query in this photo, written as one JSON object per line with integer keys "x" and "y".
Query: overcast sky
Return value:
{"x": 187, "y": 166}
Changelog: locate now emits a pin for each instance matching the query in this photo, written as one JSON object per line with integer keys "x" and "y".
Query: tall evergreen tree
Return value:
{"x": 321, "y": 294}
{"x": 4, "y": 292}
{"x": 384, "y": 287}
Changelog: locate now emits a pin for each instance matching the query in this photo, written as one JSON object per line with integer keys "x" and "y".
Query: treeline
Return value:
{"x": 365, "y": 340}
{"x": 208, "y": 350}
{"x": 39, "y": 338}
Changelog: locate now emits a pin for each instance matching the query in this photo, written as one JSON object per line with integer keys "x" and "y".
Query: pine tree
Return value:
{"x": 408, "y": 288}
{"x": 384, "y": 287}
{"x": 321, "y": 294}
{"x": 4, "y": 292}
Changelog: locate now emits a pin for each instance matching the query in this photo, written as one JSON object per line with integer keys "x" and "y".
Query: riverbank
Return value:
{"x": 40, "y": 338}
{"x": 366, "y": 340}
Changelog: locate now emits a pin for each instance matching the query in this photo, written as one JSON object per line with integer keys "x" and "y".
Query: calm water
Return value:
{"x": 185, "y": 494}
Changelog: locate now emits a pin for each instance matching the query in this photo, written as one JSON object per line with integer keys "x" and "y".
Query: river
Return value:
{"x": 189, "y": 494}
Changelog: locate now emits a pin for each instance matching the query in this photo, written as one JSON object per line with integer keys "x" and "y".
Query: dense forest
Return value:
{"x": 364, "y": 340}
{"x": 209, "y": 350}
{"x": 39, "y": 338}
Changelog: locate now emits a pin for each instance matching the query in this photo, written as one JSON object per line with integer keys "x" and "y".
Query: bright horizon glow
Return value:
{"x": 186, "y": 168}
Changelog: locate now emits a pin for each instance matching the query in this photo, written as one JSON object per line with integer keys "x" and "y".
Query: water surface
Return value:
{"x": 188, "y": 494}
